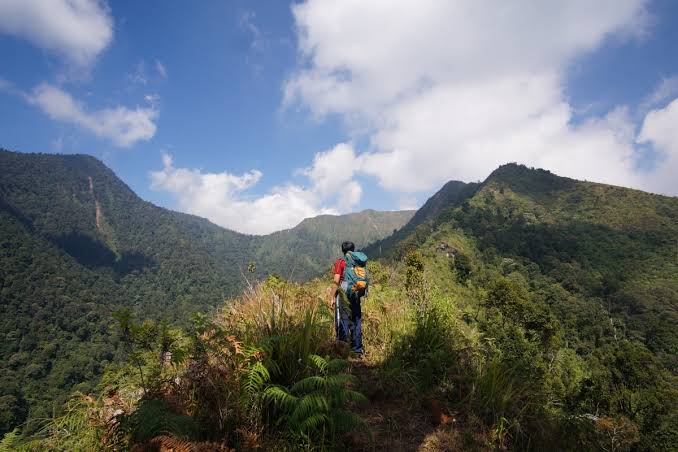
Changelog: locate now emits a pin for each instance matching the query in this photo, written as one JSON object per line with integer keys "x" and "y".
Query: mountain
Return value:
{"x": 610, "y": 246}
{"x": 76, "y": 244}
{"x": 317, "y": 240}
{"x": 451, "y": 194}
{"x": 526, "y": 312}
{"x": 547, "y": 267}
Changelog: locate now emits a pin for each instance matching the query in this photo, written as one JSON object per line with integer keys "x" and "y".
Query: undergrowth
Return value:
{"x": 481, "y": 354}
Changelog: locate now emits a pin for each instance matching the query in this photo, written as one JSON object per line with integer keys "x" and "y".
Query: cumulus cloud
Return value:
{"x": 666, "y": 89}
{"x": 450, "y": 90}
{"x": 223, "y": 198}
{"x": 331, "y": 169}
{"x": 75, "y": 29}
{"x": 660, "y": 128}
{"x": 122, "y": 125}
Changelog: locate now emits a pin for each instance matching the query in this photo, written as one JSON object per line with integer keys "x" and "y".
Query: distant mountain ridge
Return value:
{"x": 607, "y": 245}
{"x": 76, "y": 243}
{"x": 574, "y": 284}
{"x": 598, "y": 263}
{"x": 451, "y": 194}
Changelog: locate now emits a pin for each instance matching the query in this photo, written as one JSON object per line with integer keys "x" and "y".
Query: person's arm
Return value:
{"x": 333, "y": 292}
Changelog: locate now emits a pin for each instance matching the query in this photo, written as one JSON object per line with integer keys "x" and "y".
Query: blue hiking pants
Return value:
{"x": 348, "y": 320}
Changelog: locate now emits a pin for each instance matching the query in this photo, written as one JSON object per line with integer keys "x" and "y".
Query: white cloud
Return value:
{"x": 408, "y": 203}
{"x": 660, "y": 128}
{"x": 667, "y": 88}
{"x": 246, "y": 22}
{"x": 139, "y": 76}
{"x": 332, "y": 169}
{"x": 152, "y": 99}
{"x": 450, "y": 90}
{"x": 223, "y": 198}
{"x": 122, "y": 125}
{"x": 160, "y": 68}
{"x": 76, "y": 29}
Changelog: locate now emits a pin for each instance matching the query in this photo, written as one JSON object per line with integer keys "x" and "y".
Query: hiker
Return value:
{"x": 350, "y": 285}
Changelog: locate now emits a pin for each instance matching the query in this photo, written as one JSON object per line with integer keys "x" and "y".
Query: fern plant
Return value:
{"x": 315, "y": 409}
{"x": 154, "y": 417}
{"x": 286, "y": 352}
{"x": 80, "y": 427}
{"x": 9, "y": 440}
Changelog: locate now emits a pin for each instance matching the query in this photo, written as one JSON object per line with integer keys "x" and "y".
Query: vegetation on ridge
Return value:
{"x": 478, "y": 365}
{"x": 76, "y": 244}
{"x": 536, "y": 313}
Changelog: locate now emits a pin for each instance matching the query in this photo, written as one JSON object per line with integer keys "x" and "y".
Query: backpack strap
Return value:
{"x": 348, "y": 258}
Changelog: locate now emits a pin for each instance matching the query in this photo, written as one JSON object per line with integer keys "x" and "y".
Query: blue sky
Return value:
{"x": 258, "y": 114}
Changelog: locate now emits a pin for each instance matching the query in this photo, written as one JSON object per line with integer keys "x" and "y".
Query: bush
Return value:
{"x": 315, "y": 409}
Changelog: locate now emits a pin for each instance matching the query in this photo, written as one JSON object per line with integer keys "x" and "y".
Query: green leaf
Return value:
{"x": 256, "y": 378}
{"x": 280, "y": 396}
{"x": 309, "y": 384}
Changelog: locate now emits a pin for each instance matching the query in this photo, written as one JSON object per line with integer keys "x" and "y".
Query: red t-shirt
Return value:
{"x": 339, "y": 266}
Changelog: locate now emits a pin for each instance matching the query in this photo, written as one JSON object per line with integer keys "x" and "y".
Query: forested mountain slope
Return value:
{"x": 529, "y": 312}
{"x": 76, "y": 244}
{"x": 450, "y": 195}
{"x": 572, "y": 267}
{"x": 316, "y": 240}
{"x": 609, "y": 246}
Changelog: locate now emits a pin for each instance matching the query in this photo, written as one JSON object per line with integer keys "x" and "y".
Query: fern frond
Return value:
{"x": 337, "y": 365}
{"x": 251, "y": 351}
{"x": 154, "y": 418}
{"x": 320, "y": 362}
{"x": 281, "y": 397}
{"x": 340, "y": 380}
{"x": 309, "y": 384}
{"x": 345, "y": 421}
{"x": 349, "y": 395}
{"x": 313, "y": 422}
{"x": 273, "y": 366}
{"x": 310, "y": 405}
{"x": 8, "y": 441}
{"x": 256, "y": 378}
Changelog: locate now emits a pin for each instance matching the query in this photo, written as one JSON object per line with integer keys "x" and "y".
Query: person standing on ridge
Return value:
{"x": 350, "y": 285}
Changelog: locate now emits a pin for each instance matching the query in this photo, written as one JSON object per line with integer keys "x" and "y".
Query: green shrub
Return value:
{"x": 315, "y": 409}
{"x": 154, "y": 417}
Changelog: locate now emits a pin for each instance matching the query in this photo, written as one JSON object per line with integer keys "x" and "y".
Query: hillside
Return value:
{"x": 76, "y": 244}
{"x": 528, "y": 312}
{"x": 605, "y": 245}
{"x": 533, "y": 313}
{"x": 600, "y": 261}
{"x": 316, "y": 239}
{"x": 450, "y": 195}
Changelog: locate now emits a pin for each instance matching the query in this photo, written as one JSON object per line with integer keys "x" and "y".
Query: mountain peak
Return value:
{"x": 524, "y": 179}
{"x": 517, "y": 170}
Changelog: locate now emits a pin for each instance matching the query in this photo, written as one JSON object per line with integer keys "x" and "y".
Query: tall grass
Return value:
{"x": 82, "y": 426}
{"x": 260, "y": 372}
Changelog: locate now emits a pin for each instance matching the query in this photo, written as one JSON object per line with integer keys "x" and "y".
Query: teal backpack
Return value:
{"x": 355, "y": 273}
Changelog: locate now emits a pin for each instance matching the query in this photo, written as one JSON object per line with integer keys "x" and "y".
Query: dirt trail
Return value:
{"x": 397, "y": 423}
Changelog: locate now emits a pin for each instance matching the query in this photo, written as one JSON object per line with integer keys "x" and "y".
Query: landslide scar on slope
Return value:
{"x": 97, "y": 206}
